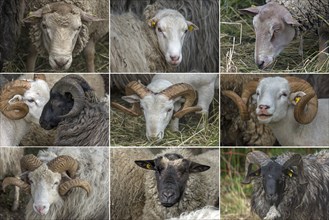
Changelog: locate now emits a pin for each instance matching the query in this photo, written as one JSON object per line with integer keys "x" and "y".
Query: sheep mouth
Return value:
{"x": 167, "y": 205}
{"x": 263, "y": 116}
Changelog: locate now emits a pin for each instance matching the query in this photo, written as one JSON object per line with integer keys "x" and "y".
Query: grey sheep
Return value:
{"x": 80, "y": 118}
{"x": 61, "y": 30}
{"x": 289, "y": 186}
{"x": 178, "y": 167}
{"x": 279, "y": 21}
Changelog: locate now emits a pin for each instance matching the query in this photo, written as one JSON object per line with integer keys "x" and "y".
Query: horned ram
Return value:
{"x": 55, "y": 180}
{"x": 80, "y": 117}
{"x": 161, "y": 100}
{"x": 288, "y": 186}
{"x": 290, "y": 107}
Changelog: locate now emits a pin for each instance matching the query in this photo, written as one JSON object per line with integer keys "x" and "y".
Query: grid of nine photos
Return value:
{"x": 139, "y": 132}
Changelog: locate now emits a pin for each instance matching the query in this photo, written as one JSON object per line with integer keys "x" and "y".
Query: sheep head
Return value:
{"x": 158, "y": 107}
{"x": 48, "y": 182}
{"x": 171, "y": 172}
{"x": 273, "y": 173}
{"x": 170, "y": 28}
{"x": 24, "y": 98}
{"x": 274, "y": 27}
{"x": 61, "y": 25}
{"x": 67, "y": 99}
{"x": 274, "y": 96}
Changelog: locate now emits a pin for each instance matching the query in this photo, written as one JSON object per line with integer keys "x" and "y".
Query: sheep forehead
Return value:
{"x": 273, "y": 84}
{"x": 173, "y": 24}
{"x": 42, "y": 173}
{"x": 156, "y": 101}
{"x": 65, "y": 20}
{"x": 174, "y": 160}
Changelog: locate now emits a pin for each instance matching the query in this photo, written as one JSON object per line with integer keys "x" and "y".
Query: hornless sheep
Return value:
{"x": 55, "y": 179}
{"x": 151, "y": 46}
{"x": 201, "y": 49}
{"x": 290, "y": 107}
{"x": 21, "y": 104}
{"x": 11, "y": 14}
{"x": 62, "y": 29}
{"x": 161, "y": 100}
{"x": 289, "y": 186}
{"x": 80, "y": 118}
{"x": 9, "y": 158}
{"x": 180, "y": 182}
{"x": 277, "y": 22}
{"x": 127, "y": 183}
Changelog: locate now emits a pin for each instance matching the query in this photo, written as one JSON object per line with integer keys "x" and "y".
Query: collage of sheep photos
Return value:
{"x": 164, "y": 110}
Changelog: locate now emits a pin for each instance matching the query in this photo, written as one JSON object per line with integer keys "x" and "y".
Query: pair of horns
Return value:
{"x": 59, "y": 164}
{"x": 17, "y": 109}
{"x": 181, "y": 89}
{"x": 261, "y": 159}
{"x": 296, "y": 84}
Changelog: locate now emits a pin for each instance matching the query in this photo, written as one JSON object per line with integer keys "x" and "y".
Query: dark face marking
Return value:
{"x": 57, "y": 106}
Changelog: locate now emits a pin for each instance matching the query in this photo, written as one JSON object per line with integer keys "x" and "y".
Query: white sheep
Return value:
{"x": 152, "y": 46}
{"x": 277, "y": 22}
{"x": 62, "y": 29}
{"x": 56, "y": 179}
{"x": 290, "y": 107}
{"x": 178, "y": 182}
{"x": 21, "y": 104}
{"x": 161, "y": 100}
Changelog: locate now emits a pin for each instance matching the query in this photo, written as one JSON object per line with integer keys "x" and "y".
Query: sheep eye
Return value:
{"x": 160, "y": 30}
{"x": 284, "y": 94}
{"x": 44, "y": 26}
{"x": 79, "y": 28}
{"x": 185, "y": 31}
{"x": 257, "y": 93}
{"x": 30, "y": 100}
{"x": 169, "y": 110}
{"x": 56, "y": 183}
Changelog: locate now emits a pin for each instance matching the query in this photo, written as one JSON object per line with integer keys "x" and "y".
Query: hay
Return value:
{"x": 126, "y": 130}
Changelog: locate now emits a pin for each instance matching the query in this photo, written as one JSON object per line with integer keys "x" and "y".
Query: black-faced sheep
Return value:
{"x": 80, "y": 118}
{"x": 55, "y": 179}
{"x": 277, "y": 22}
{"x": 178, "y": 182}
{"x": 289, "y": 186}
{"x": 62, "y": 29}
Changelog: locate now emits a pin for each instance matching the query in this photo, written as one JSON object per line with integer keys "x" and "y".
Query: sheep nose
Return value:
{"x": 167, "y": 194}
{"x": 61, "y": 62}
{"x": 40, "y": 208}
{"x": 261, "y": 64}
{"x": 263, "y": 107}
{"x": 174, "y": 58}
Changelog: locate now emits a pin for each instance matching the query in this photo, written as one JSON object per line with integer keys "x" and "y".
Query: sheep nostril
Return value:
{"x": 61, "y": 62}
{"x": 167, "y": 195}
{"x": 261, "y": 65}
{"x": 174, "y": 58}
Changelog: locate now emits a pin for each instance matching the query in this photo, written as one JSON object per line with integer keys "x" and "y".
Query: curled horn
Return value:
{"x": 310, "y": 99}
{"x": 69, "y": 85}
{"x": 18, "y": 109}
{"x": 64, "y": 163}
{"x": 254, "y": 157}
{"x": 16, "y": 182}
{"x": 30, "y": 162}
{"x": 188, "y": 92}
{"x": 66, "y": 186}
{"x": 296, "y": 160}
{"x": 242, "y": 102}
{"x": 137, "y": 88}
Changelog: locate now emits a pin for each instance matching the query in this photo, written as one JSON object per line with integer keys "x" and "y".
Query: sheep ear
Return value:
{"x": 146, "y": 164}
{"x": 34, "y": 16}
{"x": 197, "y": 168}
{"x": 89, "y": 17}
{"x": 153, "y": 22}
{"x": 131, "y": 98}
{"x": 253, "y": 10}
{"x": 295, "y": 97}
{"x": 191, "y": 27}
{"x": 290, "y": 20}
